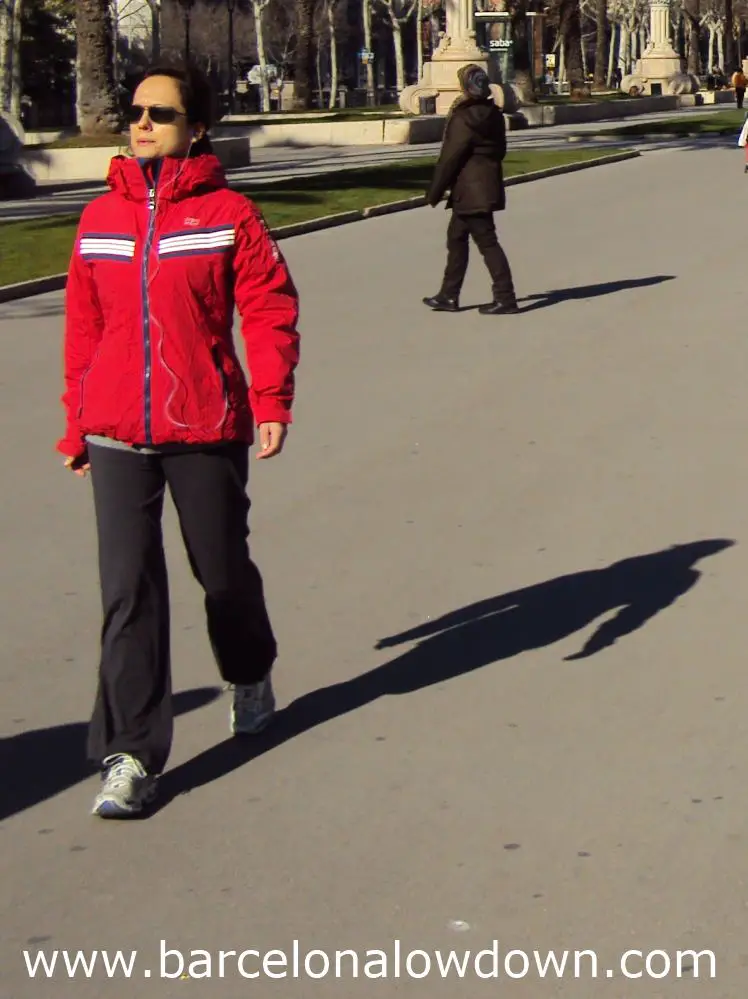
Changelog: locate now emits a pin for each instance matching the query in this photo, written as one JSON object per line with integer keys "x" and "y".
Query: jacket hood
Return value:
{"x": 177, "y": 179}
{"x": 480, "y": 114}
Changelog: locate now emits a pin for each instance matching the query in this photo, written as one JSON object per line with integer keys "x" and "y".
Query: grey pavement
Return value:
{"x": 275, "y": 163}
{"x": 568, "y": 479}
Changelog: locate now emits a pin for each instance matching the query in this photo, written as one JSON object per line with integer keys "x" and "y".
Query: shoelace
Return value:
{"x": 122, "y": 770}
{"x": 251, "y": 695}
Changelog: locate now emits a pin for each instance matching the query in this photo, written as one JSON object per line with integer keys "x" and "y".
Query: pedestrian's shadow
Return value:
{"x": 626, "y": 594}
{"x": 548, "y": 298}
{"x": 39, "y": 764}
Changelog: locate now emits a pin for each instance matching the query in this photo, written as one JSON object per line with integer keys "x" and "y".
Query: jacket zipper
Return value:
{"x": 147, "y": 311}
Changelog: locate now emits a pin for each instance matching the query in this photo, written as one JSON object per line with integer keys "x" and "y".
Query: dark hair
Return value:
{"x": 196, "y": 93}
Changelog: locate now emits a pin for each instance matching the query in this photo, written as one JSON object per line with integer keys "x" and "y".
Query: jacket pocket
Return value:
{"x": 84, "y": 378}
{"x": 215, "y": 353}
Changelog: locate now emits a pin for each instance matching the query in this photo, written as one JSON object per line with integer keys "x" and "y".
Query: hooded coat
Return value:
{"x": 470, "y": 162}
{"x": 157, "y": 271}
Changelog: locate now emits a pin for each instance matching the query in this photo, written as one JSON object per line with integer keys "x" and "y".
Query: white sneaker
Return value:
{"x": 253, "y": 707}
{"x": 126, "y": 788}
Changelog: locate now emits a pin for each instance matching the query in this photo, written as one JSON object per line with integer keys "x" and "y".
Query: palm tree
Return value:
{"x": 570, "y": 28}
{"x": 304, "y": 63}
{"x": 98, "y": 109}
{"x": 601, "y": 47}
{"x": 730, "y": 61}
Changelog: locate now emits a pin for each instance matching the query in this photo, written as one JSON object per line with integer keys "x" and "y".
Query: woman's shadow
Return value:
{"x": 42, "y": 763}
{"x": 498, "y": 628}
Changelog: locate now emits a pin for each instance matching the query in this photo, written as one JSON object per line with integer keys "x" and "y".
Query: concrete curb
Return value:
{"x": 315, "y": 225}
{"x": 558, "y": 171}
{"x": 394, "y": 206}
{"x": 41, "y": 286}
{"x": 25, "y": 289}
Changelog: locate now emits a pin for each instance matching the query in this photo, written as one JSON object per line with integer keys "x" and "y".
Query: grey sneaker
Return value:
{"x": 253, "y": 707}
{"x": 126, "y": 788}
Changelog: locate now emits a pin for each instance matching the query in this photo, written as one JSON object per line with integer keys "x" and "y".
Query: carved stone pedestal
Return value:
{"x": 660, "y": 69}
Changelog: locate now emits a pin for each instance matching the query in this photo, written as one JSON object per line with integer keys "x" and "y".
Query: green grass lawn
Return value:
{"x": 716, "y": 123}
{"x": 36, "y": 248}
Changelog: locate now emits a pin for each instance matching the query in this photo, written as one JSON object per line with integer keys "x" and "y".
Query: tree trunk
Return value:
{"x": 721, "y": 47}
{"x": 304, "y": 64}
{"x": 612, "y": 53}
{"x": 730, "y": 61}
{"x": 97, "y": 95}
{"x": 258, "y": 11}
{"x": 333, "y": 52}
{"x": 397, "y": 42}
{"x": 571, "y": 32}
{"x": 680, "y": 36}
{"x": 601, "y": 51}
{"x": 10, "y": 56}
{"x": 155, "y": 7}
{"x": 523, "y": 70}
{"x": 318, "y": 74}
{"x": 710, "y": 49}
{"x": 419, "y": 37}
{"x": 623, "y": 51}
{"x": 371, "y": 95}
{"x": 435, "y": 27}
{"x": 692, "y": 12}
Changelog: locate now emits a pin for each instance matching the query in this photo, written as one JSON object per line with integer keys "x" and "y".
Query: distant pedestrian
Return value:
{"x": 739, "y": 82}
{"x": 155, "y": 396}
{"x": 470, "y": 167}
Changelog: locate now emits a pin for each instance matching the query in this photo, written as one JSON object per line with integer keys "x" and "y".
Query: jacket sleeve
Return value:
{"x": 454, "y": 154}
{"x": 268, "y": 304}
{"x": 84, "y": 324}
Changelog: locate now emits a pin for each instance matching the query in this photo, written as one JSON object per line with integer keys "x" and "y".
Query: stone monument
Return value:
{"x": 660, "y": 69}
{"x": 458, "y": 48}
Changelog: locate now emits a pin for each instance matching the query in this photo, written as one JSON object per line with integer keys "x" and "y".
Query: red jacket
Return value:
{"x": 153, "y": 282}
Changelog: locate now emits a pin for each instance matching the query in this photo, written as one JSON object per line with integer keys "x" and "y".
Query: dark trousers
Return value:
{"x": 739, "y": 96}
{"x": 133, "y": 713}
{"x": 483, "y": 231}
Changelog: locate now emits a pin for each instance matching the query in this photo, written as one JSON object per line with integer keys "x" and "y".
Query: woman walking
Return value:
{"x": 470, "y": 166}
{"x": 155, "y": 396}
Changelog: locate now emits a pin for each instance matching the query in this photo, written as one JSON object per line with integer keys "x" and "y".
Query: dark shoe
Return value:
{"x": 440, "y": 303}
{"x": 500, "y": 308}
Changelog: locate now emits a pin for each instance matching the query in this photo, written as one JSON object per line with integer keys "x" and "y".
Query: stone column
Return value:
{"x": 659, "y": 21}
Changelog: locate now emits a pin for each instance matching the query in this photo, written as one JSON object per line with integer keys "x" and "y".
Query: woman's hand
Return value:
{"x": 272, "y": 439}
{"x": 80, "y": 465}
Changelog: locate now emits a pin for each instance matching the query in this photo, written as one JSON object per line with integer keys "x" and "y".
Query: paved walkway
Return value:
{"x": 466, "y": 506}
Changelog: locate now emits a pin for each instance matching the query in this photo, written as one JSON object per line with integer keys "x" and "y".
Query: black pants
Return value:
{"x": 739, "y": 96}
{"x": 132, "y": 713}
{"x": 483, "y": 232}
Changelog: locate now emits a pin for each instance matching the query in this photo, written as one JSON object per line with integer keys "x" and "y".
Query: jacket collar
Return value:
{"x": 177, "y": 178}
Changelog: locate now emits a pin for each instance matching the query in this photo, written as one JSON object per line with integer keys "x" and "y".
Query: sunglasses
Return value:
{"x": 158, "y": 114}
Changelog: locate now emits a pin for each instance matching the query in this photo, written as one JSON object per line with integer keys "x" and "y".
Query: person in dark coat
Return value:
{"x": 470, "y": 167}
